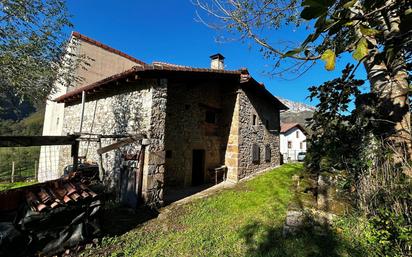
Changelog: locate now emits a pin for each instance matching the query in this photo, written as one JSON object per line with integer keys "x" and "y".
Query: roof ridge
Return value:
{"x": 106, "y": 47}
{"x": 142, "y": 68}
{"x": 286, "y": 126}
{"x": 170, "y": 64}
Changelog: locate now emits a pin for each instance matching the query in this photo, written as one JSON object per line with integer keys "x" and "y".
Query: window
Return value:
{"x": 255, "y": 153}
{"x": 289, "y": 144}
{"x": 210, "y": 117}
{"x": 297, "y": 134}
{"x": 254, "y": 119}
{"x": 301, "y": 145}
{"x": 267, "y": 153}
{"x": 169, "y": 154}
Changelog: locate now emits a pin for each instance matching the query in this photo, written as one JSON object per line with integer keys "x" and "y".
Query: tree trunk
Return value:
{"x": 393, "y": 121}
{"x": 388, "y": 77}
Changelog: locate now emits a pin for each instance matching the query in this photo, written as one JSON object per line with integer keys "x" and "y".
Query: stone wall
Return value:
{"x": 232, "y": 147}
{"x": 125, "y": 113}
{"x": 141, "y": 108}
{"x": 154, "y": 163}
{"x": 264, "y": 133}
{"x": 187, "y": 129}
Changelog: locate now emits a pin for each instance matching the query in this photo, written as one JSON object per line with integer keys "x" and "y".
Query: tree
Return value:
{"x": 377, "y": 33}
{"x": 32, "y": 40}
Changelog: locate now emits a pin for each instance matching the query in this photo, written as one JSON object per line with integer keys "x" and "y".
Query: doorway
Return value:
{"x": 198, "y": 167}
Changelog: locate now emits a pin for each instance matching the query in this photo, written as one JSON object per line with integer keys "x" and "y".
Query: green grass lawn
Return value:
{"x": 6, "y": 186}
{"x": 246, "y": 220}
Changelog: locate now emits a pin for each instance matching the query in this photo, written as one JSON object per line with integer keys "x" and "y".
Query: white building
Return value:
{"x": 103, "y": 61}
{"x": 292, "y": 141}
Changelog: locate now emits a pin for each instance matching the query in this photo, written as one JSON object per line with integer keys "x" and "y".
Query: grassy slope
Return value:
{"x": 6, "y": 186}
{"x": 244, "y": 221}
{"x": 24, "y": 157}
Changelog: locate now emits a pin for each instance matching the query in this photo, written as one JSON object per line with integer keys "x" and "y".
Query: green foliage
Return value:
{"x": 344, "y": 141}
{"x": 382, "y": 235}
{"x": 335, "y": 134}
{"x": 32, "y": 40}
{"x": 389, "y": 233}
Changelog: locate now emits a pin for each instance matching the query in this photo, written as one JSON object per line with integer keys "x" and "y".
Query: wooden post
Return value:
{"x": 101, "y": 170}
{"x": 35, "y": 170}
{"x": 140, "y": 173}
{"x": 75, "y": 154}
{"x": 12, "y": 172}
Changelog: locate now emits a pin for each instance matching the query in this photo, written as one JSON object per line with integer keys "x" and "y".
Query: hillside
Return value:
{"x": 30, "y": 126}
{"x": 24, "y": 158}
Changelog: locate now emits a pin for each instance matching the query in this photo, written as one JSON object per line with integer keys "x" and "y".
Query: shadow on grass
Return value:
{"x": 119, "y": 220}
{"x": 311, "y": 236}
{"x": 317, "y": 240}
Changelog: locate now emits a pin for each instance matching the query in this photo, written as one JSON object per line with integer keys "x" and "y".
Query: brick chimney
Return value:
{"x": 216, "y": 62}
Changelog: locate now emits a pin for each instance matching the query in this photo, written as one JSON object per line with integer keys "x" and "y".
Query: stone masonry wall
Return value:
{"x": 260, "y": 134}
{"x": 187, "y": 130}
{"x": 232, "y": 147}
{"x": 126, "y": 113}
{"x": 154, "y": 168}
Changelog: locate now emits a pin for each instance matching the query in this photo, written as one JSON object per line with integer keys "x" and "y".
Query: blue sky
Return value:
{"x": 166, "y": 30}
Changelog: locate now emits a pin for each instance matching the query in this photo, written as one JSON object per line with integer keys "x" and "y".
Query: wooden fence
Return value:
{"x": 18, "y": 171}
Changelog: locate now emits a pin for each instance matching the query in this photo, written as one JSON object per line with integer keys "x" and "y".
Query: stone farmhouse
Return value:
{"x": 292, "y": 141}
{"x": 194, "y": 120}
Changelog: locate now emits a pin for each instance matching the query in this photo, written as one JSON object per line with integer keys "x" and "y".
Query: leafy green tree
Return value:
{"x": 376, "y": 32}
{"x": 32, "y": 40}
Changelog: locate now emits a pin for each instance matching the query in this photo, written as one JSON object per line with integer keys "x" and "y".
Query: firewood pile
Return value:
{"x": 47, "y": 218}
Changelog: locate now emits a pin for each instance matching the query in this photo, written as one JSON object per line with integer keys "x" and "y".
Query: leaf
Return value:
{"x": 318, "y": 3}
{"x": 349, "y": 4}
{"x": 309, "y": 13}
{"x": 310, "y": 38}
{"x": 368, "y": 31}
{"x": 292, "y": 52}
{"x": 361, "y": 49}
{"x": 329, "y": 57}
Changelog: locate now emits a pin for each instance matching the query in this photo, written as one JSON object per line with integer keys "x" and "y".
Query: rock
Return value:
{"x": 295, "y": 218}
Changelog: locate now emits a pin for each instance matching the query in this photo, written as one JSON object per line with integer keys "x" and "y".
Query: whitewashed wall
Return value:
{"x": 291, "y": 153}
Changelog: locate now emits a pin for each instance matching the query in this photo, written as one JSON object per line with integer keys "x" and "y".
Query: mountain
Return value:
{"x": 295, "y": 107}
{"x": 297, "y": 113}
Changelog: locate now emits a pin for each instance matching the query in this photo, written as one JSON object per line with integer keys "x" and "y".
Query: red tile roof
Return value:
{"x": 285, "y": 127}
{"x": 72, "y": 95}
{"x": 105, "y": 47}
{"x": 48, "y": 195}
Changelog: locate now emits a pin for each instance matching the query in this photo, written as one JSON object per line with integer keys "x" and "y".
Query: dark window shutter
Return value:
{"x": 267, "y": 153}
{"x": 255, "y": 153}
